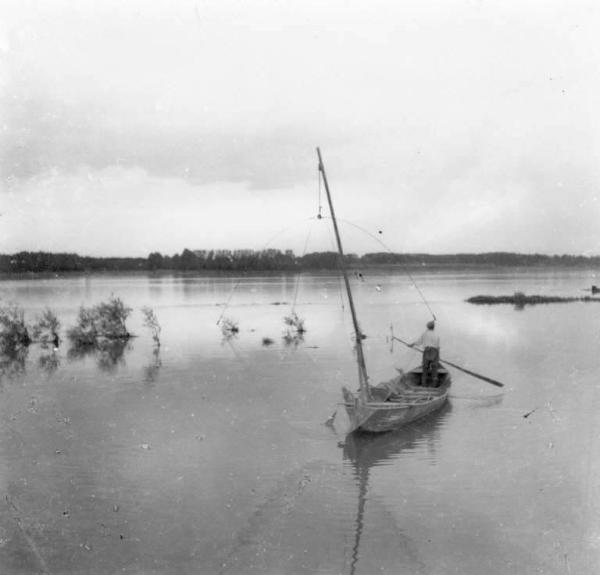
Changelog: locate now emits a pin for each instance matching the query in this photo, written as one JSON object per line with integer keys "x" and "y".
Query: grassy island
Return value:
{"x": 520, "y": 299}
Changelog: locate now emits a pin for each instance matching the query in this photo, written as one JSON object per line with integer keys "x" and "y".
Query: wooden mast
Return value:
{"x": 363, "y": 379}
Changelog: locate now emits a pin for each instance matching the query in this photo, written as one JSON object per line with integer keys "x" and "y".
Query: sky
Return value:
{"x": 128, "y": 127}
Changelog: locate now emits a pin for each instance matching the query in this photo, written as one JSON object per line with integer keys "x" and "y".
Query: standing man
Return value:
{"x": 431, "y": 353}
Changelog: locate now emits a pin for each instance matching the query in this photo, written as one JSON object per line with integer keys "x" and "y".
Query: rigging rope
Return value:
{"x": 403, "y": 266}
{"x": 271, "y": 240}
{"x": 228, "y": 300}
{"x": 340, "y": 279}
{"x": 303, "y": 253}
{"x": 319, "y": 216}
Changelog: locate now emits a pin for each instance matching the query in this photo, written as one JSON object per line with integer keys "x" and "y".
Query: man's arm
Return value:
{"x": 418, "y": 341}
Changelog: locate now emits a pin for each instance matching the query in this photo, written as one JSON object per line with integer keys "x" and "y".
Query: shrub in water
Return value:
{"x": 13, "y": 331}
{"x": 111, "y": 317}
{"x": 229, "y": 327}
{"x": 104, "y": 321}
{"x": 46, "y": 328}
{"x": 85, "y": 332}
{"x": 151, "y": 322}
{"x": 295, "y": 322}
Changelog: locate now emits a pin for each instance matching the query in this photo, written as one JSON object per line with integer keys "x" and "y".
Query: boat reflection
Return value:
{"x": 363, "y": 451}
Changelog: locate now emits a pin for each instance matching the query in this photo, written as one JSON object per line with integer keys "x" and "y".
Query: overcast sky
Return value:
{"x": 131, "y": 126}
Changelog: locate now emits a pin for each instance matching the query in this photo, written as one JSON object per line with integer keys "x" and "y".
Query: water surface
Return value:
{"x": 210, "y": 455}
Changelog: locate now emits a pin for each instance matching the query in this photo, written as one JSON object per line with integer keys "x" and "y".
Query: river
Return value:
{"x": 211, "y": 454}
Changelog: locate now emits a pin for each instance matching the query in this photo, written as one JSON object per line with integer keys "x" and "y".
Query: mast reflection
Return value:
{"x": 367, "y": 450}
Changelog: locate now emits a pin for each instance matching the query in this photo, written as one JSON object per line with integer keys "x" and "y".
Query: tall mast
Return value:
{"x": 363, "y": 379}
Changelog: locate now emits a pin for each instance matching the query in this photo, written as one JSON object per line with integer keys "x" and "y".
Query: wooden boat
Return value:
{"x": 400, "y": 400}
{"x": 392, "y": 404}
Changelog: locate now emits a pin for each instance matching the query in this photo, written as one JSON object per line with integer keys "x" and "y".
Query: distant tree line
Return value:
{"x": 271, "y": 260}
{"x": 482, "y": 259}
{"x": 48, "y": 262}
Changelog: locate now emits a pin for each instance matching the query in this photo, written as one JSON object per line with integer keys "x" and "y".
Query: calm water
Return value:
{"x": 212, "y": 456}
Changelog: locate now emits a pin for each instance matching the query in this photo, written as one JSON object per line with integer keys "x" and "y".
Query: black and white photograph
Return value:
{"x": 299, "y": 287}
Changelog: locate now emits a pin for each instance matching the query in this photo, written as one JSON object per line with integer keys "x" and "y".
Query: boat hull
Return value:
{"x": 409, "y": 403}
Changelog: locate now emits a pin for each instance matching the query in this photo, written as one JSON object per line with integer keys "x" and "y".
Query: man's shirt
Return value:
{"x": 429, "y": 339}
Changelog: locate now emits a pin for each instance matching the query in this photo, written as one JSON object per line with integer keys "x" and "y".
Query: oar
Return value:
{"x": 477, "y": 375}
{"x": 330, "y": 419}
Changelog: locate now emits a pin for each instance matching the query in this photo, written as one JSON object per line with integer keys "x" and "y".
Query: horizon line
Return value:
{"x": 234, "y": 251}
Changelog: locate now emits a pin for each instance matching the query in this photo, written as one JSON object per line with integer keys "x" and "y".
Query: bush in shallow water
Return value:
{"x": 103, "y": 321}
{"x": 151, "y": 322}
{"x": 13, "y": 330}
{"x": 111, "y": 317}
{"x": 46, "y": 328}
{"x": 85, "y": 332}
{"x": 229, "y": 327}
{"x": 295, "y": 322}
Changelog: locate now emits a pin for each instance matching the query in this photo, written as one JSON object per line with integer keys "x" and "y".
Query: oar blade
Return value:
{"x": 472, "y": 373}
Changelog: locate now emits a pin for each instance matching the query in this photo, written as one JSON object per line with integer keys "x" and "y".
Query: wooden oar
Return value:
{"x": 446, "y": 362}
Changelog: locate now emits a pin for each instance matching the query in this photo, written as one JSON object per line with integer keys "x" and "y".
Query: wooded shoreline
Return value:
{"x": 277, "y": 261}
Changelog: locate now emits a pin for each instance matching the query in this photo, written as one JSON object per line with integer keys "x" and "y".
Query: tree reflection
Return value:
{"x": 293, "y": 339}
{"x": 49, "y": 362}
{"x": 112, "y": 353}
{"x": 109, "y": 353}
{"x": 12, "y": 363}
{"x": 80, "y": 351}
{"x": 229, "y": 337}
{"x": 152, "y": 369}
